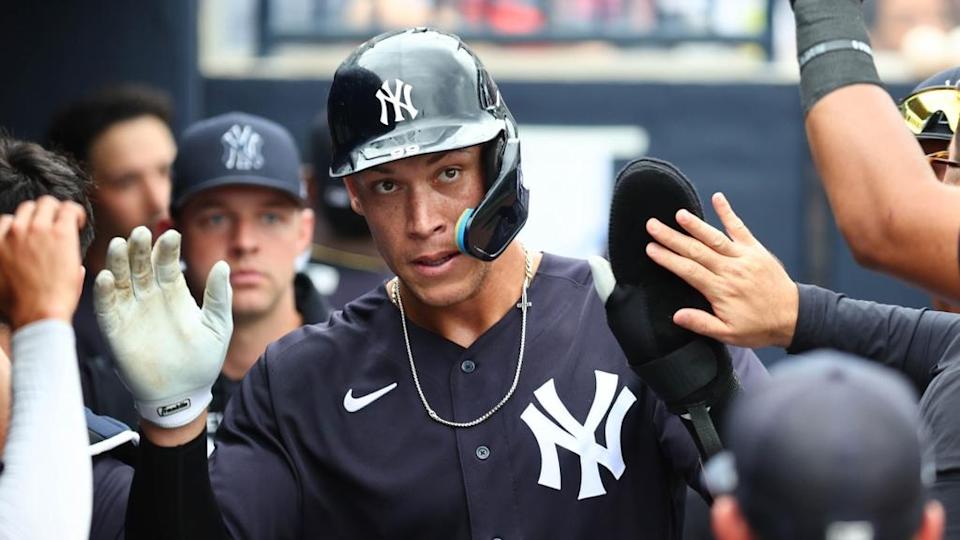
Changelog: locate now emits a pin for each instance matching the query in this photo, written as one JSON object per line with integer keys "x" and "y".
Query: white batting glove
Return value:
{"x": 169, "y": 351}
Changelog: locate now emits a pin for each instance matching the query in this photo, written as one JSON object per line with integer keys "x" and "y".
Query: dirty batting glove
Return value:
{"x": 169, "y": 351}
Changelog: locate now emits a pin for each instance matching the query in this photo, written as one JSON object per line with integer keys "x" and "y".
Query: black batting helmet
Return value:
{"x": 420, "y": 91}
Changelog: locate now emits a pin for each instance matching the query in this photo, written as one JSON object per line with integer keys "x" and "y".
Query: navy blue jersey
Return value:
{"x": 327, "y": 437}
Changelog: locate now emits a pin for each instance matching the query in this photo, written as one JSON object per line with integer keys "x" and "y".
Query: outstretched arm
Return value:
{"x": 169, "y": 352}
{"x": 756, "y": 304}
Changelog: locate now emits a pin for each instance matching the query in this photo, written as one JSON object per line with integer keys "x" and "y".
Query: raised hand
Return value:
{"x": 40, "y": 272}
{"x": 754, "y": 300}
{"x": 169, "y": 351}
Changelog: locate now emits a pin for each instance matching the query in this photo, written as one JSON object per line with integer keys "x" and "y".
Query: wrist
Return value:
{"x": 170, "y": 437}
{"x": 833, "y": 48}
{"x": 789, "y": 312}
{"x": 22, "y": 317}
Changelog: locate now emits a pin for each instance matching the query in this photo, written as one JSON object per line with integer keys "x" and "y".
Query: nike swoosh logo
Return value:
{"x": 354, "y": 404}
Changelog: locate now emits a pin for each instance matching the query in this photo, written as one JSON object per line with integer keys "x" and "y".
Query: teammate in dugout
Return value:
{"x": 480, "y": 394}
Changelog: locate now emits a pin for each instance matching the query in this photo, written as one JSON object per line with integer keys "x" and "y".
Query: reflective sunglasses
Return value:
{"x": 918, "y": 109}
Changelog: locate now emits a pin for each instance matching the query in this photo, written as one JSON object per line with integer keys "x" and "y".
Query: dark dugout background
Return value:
{"x": 744, "y": 139}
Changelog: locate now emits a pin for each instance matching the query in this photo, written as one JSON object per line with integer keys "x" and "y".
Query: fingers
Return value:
{"x": 731, "y": 221}
{"x": 6, "y": 220}
{"x": 701, "y": 322}
{"x": 71, "y": 215}
{"x": 44, "y": 212}
{"x": 683, "y": 245}
{"x": 141, "y": 266}
{"x": 105, "y": 302}
{"x": 166, "y": 259}
{"x": 22, "y": 217}
{"x": 118, "y": 263}
{"x": 603, "y": 280}
{"x": 706, "y": 233}
{"x": 686, "y": 269}
{"x": 218, "y": 300}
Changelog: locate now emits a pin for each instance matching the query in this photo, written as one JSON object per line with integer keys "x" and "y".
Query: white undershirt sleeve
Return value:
{"x": 46, "y": 486}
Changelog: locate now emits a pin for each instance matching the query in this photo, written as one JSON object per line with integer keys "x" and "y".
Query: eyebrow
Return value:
{"x": 384, "y": 168}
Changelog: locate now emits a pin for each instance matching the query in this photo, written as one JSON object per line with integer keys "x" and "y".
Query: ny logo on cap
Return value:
{"x": 399, "y": 97}
{"x": 242, "y": 148}
{"x": 566, "y": 432}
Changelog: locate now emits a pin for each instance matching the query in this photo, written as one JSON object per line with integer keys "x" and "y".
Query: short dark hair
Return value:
{"x": 28, "y": 171}
{"x": 75, "y": 128}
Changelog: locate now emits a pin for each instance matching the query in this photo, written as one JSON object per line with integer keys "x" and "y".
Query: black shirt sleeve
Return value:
{"x": 912, "y": 341}
{"x": 249, "y": 490}
{"x": 171, "y": 495}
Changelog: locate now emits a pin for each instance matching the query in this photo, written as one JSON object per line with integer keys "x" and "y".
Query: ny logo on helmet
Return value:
{"x": 242, "y": 148}
{"x": 399, "y": 97}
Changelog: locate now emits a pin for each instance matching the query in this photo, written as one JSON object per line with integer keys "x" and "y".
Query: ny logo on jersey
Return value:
{"x": 242, "y": 148}
{"x": 564, "y": 431}
{"x": 399, "y": 97}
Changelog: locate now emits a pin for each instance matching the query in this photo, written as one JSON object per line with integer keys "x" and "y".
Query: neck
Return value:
{"x": 464, "y": 322}
{"x": 251, "y": 335}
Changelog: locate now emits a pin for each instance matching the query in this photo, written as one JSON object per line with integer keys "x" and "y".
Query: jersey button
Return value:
{"x": 483, "y": 452}
{"x": 468, "y": 366}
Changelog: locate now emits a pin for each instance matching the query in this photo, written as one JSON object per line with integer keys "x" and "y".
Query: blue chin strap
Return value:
{"x": 460, "y": 231}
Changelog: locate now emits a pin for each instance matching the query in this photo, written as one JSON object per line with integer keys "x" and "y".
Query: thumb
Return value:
{"x": 218, "y": 301}
{"x": 603, "y": 280}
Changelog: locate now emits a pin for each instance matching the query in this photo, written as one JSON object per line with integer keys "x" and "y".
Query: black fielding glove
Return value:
{"x": 692, "y": 374}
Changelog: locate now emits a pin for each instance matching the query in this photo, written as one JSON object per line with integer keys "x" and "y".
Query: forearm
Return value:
{"x": 46, "y": 485}
{"x": 909, "y": 340}
{"x": 171, "y": 495}
{"x": 894, "y": 214}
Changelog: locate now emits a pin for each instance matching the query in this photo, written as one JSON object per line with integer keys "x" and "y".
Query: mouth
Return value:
{"x": 241, "y": 278}
{"x": 434, "y": 264}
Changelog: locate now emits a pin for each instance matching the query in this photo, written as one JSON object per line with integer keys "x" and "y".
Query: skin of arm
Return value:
{"x": 894, "y": 214}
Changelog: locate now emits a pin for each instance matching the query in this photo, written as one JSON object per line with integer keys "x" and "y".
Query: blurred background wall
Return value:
{"x": 708, "y": 85}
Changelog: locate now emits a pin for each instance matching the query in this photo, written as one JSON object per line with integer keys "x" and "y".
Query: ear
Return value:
{"x": 934, "y": 519}
{"x": 728, "y": 523}
{"x": 354, "y": 200}
{"x": 305, "y": 233}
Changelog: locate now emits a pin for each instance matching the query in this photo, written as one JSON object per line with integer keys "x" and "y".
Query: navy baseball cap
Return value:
{"x": 236, "y": 149}
{"x": 829, "y": 448}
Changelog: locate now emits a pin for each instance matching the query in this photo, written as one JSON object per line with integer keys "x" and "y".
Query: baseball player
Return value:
{"x": 122, "y": 138}
{"x": 479, "y": 394}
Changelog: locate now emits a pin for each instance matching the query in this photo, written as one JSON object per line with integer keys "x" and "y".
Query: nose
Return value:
{"x": 425, "y": 218}
{"x": 157, "y": 197}
{"x": 244, "y": 239}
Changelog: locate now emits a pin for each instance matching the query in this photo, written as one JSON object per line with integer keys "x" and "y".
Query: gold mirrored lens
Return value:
{"x": 918, "y": 108}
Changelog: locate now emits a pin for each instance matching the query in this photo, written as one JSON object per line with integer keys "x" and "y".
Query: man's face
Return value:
{"x": 412, "y": 207}
{"x": 130, "y": 165}
{"x": 259, "y": 231}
